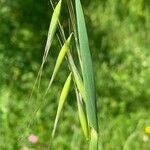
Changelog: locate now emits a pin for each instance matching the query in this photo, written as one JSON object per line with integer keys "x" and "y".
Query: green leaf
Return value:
{"x": 59, "y": 60}
{"x": 87, "y": 71}
{"x": 82, "y": 115}
{"x": 52, "y": 28}
{"x": 62, "y": 100}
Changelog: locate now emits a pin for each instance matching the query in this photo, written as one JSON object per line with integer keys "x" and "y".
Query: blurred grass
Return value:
{"x": 119, "y": 40}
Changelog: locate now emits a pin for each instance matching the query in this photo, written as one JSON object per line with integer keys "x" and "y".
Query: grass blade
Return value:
{"x": 73, "y": 67}
{"x": 87, "y": 72}
{"x": 62, "y": 99}
{"x": 52, "y": 28}
{"x": 51, "y": 33}
{"x": 82, "y": 115}
{"x": 59, "y": 60}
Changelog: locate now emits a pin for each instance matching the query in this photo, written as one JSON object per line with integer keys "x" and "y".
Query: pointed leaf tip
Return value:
{"x": 62, "y": 99}
{"x": 59, "y": 60}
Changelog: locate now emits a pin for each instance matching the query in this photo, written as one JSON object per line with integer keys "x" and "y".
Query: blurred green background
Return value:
{"x": 119, "y": 35}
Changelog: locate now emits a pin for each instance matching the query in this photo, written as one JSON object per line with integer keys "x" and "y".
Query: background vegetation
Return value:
{"x": 119, "y": 39}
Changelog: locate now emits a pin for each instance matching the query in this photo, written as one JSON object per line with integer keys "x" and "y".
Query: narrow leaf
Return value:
{"x": 87, "y": 71}
{"x": 52, "y": 28}
{"x": 82, "y": 115}
{"x": 59, "y": 60}
{"x": 62, "y": 100}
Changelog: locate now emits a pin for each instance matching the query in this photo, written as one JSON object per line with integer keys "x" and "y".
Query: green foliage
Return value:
{"x": 62, "y": 99}
{"x": 87, "y": 71}
{"x": 119, "y": 42}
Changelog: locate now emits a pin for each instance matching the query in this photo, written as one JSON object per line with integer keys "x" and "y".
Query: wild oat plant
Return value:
{"x": 83, "y": 81}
